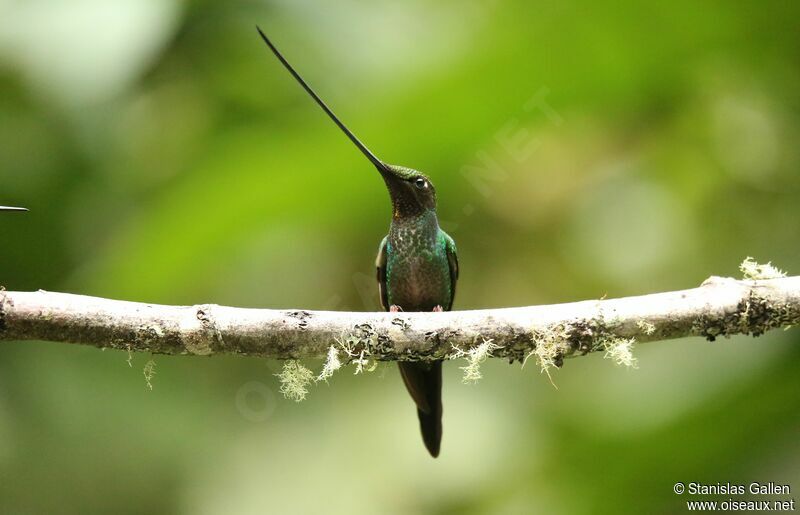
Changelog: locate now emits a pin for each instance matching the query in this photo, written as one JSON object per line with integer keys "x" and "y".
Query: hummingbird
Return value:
{"x": 417, "y": 265}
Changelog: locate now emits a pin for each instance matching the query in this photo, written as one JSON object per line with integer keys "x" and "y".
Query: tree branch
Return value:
{"x": 719, "y": 307}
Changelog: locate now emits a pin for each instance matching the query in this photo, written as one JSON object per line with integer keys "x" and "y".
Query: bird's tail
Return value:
{"x": 424, "y": 382}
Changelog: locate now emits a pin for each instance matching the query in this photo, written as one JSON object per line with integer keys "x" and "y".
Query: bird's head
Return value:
{"x": 411, "y": 191}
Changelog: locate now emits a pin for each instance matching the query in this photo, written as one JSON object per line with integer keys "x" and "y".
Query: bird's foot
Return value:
{"x": 438, "y": 309}
{"x": 395, "y": 309}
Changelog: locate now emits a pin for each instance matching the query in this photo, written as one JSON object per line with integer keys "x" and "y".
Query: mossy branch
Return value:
{"x": 719, "y": 307}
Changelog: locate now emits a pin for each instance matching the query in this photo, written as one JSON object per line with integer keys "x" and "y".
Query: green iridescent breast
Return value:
{"x": 418, "y": 275}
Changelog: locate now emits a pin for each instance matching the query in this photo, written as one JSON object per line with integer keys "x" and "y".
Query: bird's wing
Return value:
{"x": 452, "y": 260}
{"x": 380, "y": 265}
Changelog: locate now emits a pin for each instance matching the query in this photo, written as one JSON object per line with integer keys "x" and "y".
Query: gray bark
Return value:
{"x": 719, "y": 307}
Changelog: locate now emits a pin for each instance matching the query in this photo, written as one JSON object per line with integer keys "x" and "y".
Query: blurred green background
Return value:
{"x": 578, "y": 148}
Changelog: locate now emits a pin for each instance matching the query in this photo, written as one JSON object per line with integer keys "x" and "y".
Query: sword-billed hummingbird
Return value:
{"x": 417, "y": 266}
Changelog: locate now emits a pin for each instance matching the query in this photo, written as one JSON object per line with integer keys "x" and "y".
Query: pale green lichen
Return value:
{"x": 149, "y": 372}
{"x": 551, "y": 344}
{"x": 744, "y": 315}
{"x": 555, "y": 342}
{"x": 364, "y": 364}
{"x": 646, "y": 327}
{"x": 332, "y": 364}
{"x": 620, "y": 350}
{"x": 474, "y": 357}
{"x": 755, "y": 271}
{"x": 295, "y": 379}
{"x": 357, "y": 349}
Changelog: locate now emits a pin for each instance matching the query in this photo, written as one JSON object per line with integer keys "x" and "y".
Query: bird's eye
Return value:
{"x": 421, "y": 183}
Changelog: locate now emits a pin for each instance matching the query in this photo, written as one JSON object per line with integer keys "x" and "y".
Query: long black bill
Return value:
{"x": 7, "y": 208}
{"x": 363, "y": 148}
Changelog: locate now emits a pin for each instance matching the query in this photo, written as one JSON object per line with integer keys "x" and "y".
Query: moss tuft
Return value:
{"x": 149, "y": 372}
{"x": 474, "y": 357}
{"x": 295, "y": 379}
{"x": 620, "y": 350}
{"x": 332, "y": 364}
{"x": 755, "y": 271}
{"x": 646, "y": 327}
{"x": 552, "y": 344}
